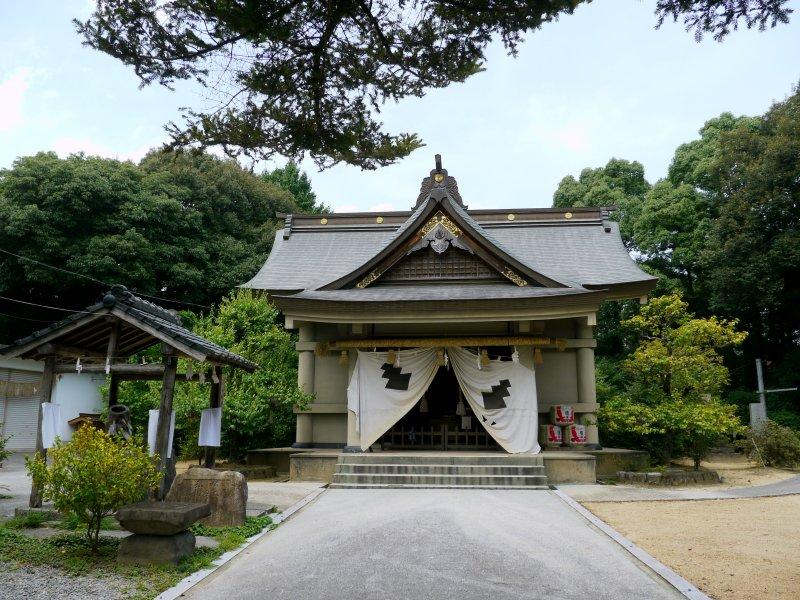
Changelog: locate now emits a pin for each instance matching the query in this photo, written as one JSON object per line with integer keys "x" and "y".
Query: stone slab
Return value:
{"x": 225, "y": 492}
{"x": 141, "y": 549}
{"x": 161, "y": 518}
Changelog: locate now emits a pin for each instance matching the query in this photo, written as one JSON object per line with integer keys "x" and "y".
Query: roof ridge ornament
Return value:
{"x": 439, "y": 185}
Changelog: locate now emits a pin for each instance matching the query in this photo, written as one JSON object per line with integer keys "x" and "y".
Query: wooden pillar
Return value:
{"x": 587, "y": 391}
{"x": 305, "y": 381}
{"x": 111, "y": 352}
{"x": 165, "y": 465}
{"x": 113, "y": 390}
{"x": 48, "y": 379}
{"x": 215, "y": 401}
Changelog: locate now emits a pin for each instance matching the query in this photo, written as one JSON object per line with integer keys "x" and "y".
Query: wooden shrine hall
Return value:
{"x": 444, "y": 328}
{"x": 105, "y": 337}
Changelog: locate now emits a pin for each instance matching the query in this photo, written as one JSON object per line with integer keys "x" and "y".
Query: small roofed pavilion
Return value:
{"x": 105, "y": 336}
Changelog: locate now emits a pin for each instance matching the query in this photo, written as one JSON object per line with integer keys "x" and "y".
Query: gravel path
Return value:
{"x": 45, "y": 583}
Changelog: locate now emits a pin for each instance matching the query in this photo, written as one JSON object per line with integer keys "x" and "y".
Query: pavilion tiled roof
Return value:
{"x": 163, "y": 326}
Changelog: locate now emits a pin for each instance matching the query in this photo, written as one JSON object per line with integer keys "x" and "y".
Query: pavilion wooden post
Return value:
{"x": 170, "y": 361}
{"x": 113, "y": 337}
{"x": 215, "y": 401}
{"x": 48, "y": 378}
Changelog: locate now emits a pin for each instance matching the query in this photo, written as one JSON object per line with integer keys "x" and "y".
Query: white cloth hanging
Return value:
{"x": 152, "y": 431}
{"x": 210, "y": 427}
{"x": 503, "y": 397}
{"x": 380, "y": 393}
{"x": 51, "y": 423}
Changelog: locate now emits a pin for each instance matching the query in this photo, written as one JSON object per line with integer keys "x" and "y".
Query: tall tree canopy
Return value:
{"x": 723, "y": 228}
{"x": 298, "y": 77}
{"x": 296, "y": 182}
{"x": 179, "y": 226}
{"x": 620, "y": 183}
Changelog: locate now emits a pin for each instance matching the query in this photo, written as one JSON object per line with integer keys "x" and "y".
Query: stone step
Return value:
{"x": 440, "y": 480}
{"x": 412, "y": 469}
{"x": 432, "y": 486}
{"x": 374, "y": 458}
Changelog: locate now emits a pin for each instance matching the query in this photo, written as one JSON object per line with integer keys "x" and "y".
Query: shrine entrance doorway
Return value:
{"x": 441, "y": 420}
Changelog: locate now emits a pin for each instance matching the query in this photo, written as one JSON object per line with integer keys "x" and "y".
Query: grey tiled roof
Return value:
{"x": 151, "y": 315}
{"x": 437, "y": 292}
{"x": 575, "y": 254}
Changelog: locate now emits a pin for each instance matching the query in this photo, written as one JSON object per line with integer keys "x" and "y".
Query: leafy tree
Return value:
{"x": 310, "y": 77}
{"x": 620, "y": 183}
{"x": 92, "y": 475}
{"x": 752, "y": 258}
{"x": 258, "y": 407}
{"x": 296, "y": 182}
{"x": 674, "y": 379}
{"x": 678, "y": 356}
{"x": 180, "y": 226}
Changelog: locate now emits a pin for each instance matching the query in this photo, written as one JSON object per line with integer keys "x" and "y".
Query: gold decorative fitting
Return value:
{"x": 515, "y": 278}
{"x": 511, "y": 216}
{"x": 323, "y": 221}
{"x": 379, "y": 220}
{"x": 438, "y": 177}
{"x": 367, "y": 280}
{"x": 440, "y": 219}
{"x": 567, "y": 215}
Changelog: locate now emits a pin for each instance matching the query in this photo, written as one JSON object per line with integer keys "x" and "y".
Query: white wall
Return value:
{"x": 77, "y": 393}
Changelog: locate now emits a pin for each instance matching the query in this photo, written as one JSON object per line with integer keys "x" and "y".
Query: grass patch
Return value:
{"x": 28, "y": 521}
{"x": 71, "y": 552}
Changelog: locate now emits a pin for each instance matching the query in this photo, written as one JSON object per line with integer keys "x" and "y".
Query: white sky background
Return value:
{"x": 598, "y": 84}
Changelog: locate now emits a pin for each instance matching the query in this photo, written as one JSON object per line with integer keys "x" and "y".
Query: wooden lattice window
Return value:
{"x": 453, "y": 264}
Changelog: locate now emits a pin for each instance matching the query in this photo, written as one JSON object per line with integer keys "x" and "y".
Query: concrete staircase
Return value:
{"x": 439, "y": 470}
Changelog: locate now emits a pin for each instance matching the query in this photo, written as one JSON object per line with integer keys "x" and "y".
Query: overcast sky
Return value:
{"x": 598, "y": 84}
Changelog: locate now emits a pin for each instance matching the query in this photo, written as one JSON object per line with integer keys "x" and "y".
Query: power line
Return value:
{"x": 104, "y": 283}
{"x": 23, "y": 318}
{"x": 85, "y": 312}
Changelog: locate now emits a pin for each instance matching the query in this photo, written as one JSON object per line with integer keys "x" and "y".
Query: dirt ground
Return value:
{"x": 743, "y": 549}
{"x": 737, "y": 470}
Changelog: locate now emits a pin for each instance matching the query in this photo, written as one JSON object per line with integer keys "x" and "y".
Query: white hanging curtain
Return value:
{"x": 502, "y": 394}
{"x": 503, "y": 397}
{"x": 381, "y": 393}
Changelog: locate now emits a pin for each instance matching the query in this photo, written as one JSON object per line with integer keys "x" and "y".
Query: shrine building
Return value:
{"x": 445, "y": 328}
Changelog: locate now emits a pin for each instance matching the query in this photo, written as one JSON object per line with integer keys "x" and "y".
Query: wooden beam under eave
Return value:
{"x": 160, "y": 336}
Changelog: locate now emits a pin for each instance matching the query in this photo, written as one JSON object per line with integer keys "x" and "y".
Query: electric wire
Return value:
{"x": 104, "y": 283}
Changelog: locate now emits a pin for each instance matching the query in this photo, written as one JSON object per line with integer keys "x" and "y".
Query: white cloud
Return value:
{"x": 344, "y": 208}
{"x": 12, "y": 98}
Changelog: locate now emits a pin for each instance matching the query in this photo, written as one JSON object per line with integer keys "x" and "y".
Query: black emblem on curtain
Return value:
{"x": 396, "y": 379}
{"x": 495, "y": 398}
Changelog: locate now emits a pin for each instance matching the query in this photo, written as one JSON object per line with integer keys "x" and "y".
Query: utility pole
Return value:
{"x": 758, "y": 410}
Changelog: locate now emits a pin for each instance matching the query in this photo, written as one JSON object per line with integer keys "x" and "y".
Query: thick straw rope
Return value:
{"x": 324, "y": 347}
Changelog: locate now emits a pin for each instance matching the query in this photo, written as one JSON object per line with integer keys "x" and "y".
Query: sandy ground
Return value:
{"x": 739, "y": 549}
{"x": 737, "y": 470}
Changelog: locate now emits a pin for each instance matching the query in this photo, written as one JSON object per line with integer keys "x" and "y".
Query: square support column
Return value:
{"x": 305, "y": 381}
{"x": 587, "y": 391}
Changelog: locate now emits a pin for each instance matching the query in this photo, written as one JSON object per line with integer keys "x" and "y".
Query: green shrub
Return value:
{"x": 93, "y": 475}
{"x": 4, "y": 454}
{"x": 28, "y": 521}
{"x": 670, "y": 428}
{"x": 773, "y": 444}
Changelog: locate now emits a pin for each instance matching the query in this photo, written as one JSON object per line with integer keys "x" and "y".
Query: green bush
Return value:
{"x": 93, "y": 475}
{"x": 4, "y": 454}
{"x": 773, "y": 444}
{"x": 669, "y": 428}
{"x": 257, "y": 410}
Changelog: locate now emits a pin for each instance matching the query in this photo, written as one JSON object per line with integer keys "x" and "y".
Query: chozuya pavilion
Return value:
{"x": 444, "y": 328}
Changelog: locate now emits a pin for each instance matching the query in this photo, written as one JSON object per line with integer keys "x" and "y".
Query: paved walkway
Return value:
{"x": 466, "y": 544}
{"x": 632, "y": 493}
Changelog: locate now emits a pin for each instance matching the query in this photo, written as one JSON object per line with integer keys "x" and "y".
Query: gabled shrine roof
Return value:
{"x": 555, "y": 251}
